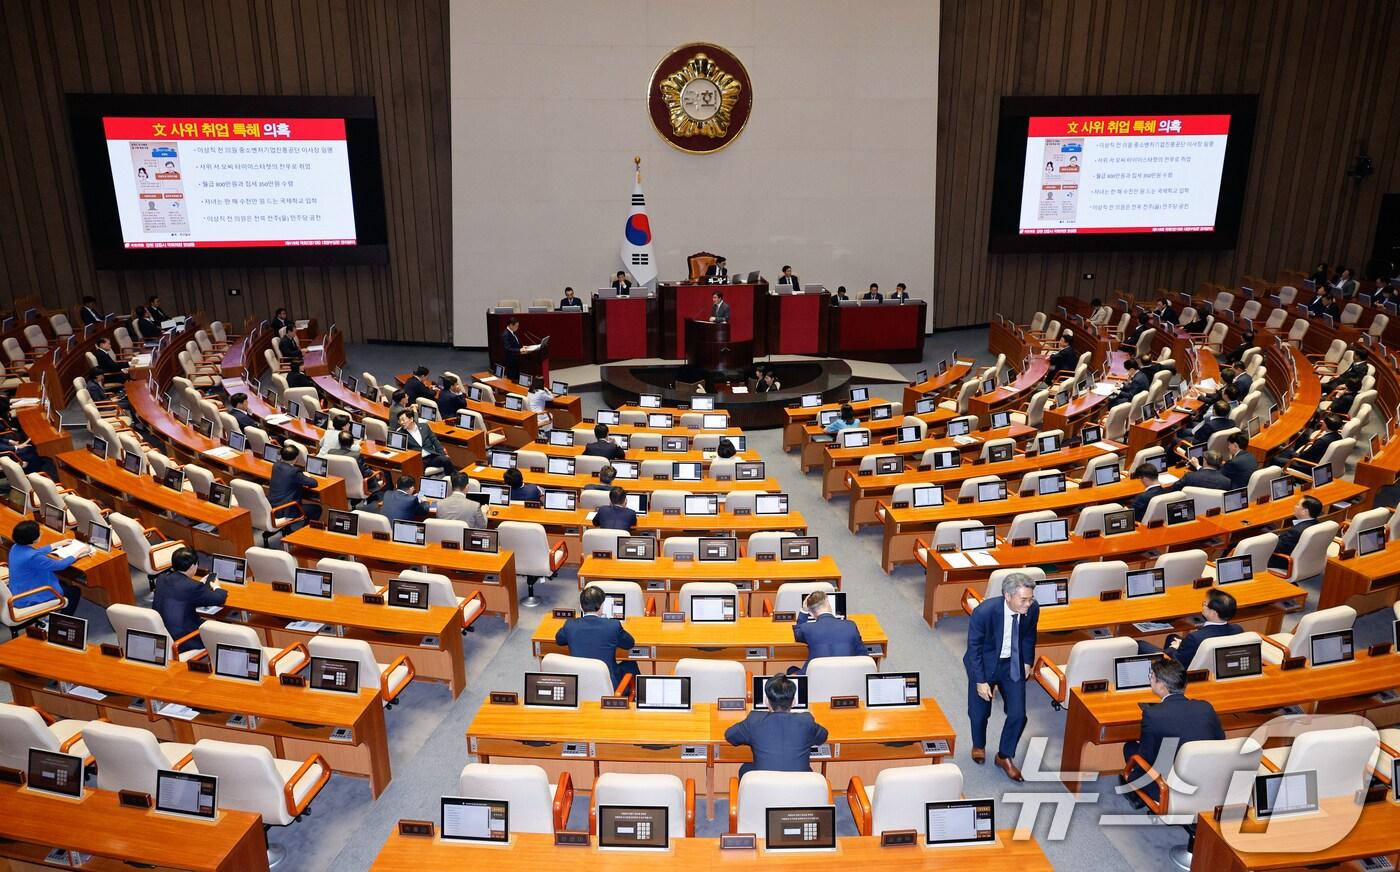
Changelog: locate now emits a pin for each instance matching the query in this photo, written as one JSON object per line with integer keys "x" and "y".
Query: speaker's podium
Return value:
{"x": 534, "y": 361}
{"x": 708, "y": 346}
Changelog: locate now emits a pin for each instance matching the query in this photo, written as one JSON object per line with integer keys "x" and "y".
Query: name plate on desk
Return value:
{"x": 731, "y": 704}
{"x": 133, "y": 799}
{"x": 601, "y": 555}
{"x": 738, "y": 842}
{"x": 372, "y": 599}
{"x": 565, "y": 614}
{"x": 282, "y": 586}
{"x": 504, "y": 697}
{"x": 670, "y": 512}
{"x": 724, "y": 478}
{"x": 898, "y": 838}
{"x": 615, "y": 702}
{"x": 1380, "y": 649}
{"x": 379, "y": 537}
{"x": 200, "y": 666}
{"x": 416, "y": 828}
{"x": 570, "y": 839}
{"x": 1290, "y": 663}
{"x": 11, "y": 776}
{"x": 1092, "y": 534}
{"x": 449, "y": 545}
{"x": 34, "y": 631}
{"x": 1201, "y": 583}
{"x": 1093, "y": 685}
{"x": 741, "y": 512}
{"x": 110, "y": 650}
{"x": 1194, "y": 675}
{"x": 292, "y": 680}
{"x": 899, "y": 504}
{"x": 765, "y": 557}
{"x": 1107, "y": 596}
{"x": 662, "y": 476}
{"x": 784, "y": 617}
{"x": 673, "y": 617}
{"x": 845, "y": 702}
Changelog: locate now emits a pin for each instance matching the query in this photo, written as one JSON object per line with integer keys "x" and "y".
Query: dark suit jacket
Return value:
{"x": 1288, "y": 537}
{"x": 828, "y": 636}
{"x": 1209, "y": 427}
{"x": 781, "y": 741}
{"x": 287, "y": 484}
{"x": 158, "y": 314}
{"x": 792, "y": 280}
{"x": 836, "y": 299}
{"x": 1191, "y": 642}
{"x": 716, "y": 270}
{"x": 720, "y": 311}
{"x": 244, "y": 419}
{"x": 1204, "y": 477}
{"x": 622, "y": 287}
{"x": 1064, "y": 360}
{"x": 288, "y": 346}
{"x": 984, "y": 631}
{"x": 604, "y": 448}
{"x": 90, "y": 315}
{"x": 597, "y": 638}
{"x": 1141, "y": 500}
{"x": 428, "y": 439}
{"x": 1243, "y": 382}
{"x": 280, "y": 324}
{"x": 416, "y": 390}
{"x": 900, "y": 295}
{"x": 1313, "y": 451}
{"x": 177, "y": 597}
{"x": 526, "y": 493}
{"x": 615, "y": 518}
{"x": 148, "y": 328}
{"x": 1180, "y": 718}
{"x": 1131, "y": 388}
{"x": 106, "y": 362}
{"x": 566, "y": 303}
{"x": 1239, "y": 468}
{"x": 877, "y": 296}
{"x": 299, "y": 380}
{"x": 449, "y": 404}
{"x": 399, "y": 506}
{"x": 510, "y": 346}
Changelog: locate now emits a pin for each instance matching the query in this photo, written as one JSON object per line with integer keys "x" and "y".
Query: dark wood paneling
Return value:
{"x": 1328, "y": 81}
{"x": 391, "y": 50}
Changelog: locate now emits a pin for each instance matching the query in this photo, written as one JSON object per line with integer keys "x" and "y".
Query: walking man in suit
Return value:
{"x": 719, "y": 309}
{"x": 825, "y": 634}
{"x": 781, "y": 739}
{"x": 510, "y": 347}
{"x": 1169, "y": 724}
{"x": 1000, "y": 650}
{"x": 597, "y": 637}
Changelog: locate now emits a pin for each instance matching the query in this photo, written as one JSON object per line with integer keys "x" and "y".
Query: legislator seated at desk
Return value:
{"x": 1169, "y": 724}
{"x": 780, "y": 739}
{"x": 601, "y": 446}
{"x": 1216, "y": 612}
{"x": 615, "y": 515}
{"x": 873, "y": 295}
{"x": 570, "y": 302}
{"x": 595, "y": 636}
{"x": 825, "y": 634}
{"x": 180, "y": 593}
{"x": 33, "y": 571}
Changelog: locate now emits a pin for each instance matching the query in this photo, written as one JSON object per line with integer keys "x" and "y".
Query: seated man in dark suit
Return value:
{"x": 401, "y": 503}
{"x": 1144, "y": 323}
{"x": 1318, "y": 442}
{"x": 417, "y": 386}
{"x": 1219, "y": 420}
{"x": 840, "y": 296}
{"x": 452, "y": 399}
{"x": 787, "y": 278}
{"x": 289, "y": 485}
{"x": 601, "y": 447}
{"x": 179, "y": 591}
{"x": 901, "y": 293}
{"x": 781, "y": 739}
{"x": 298, "y": 379}
{"x": 825, "y": 634}
{"x": 621, "y": 284}
{"x": 1359, "y": 369}
{"x": 1164, "y": 311}
{"x": 1241, "y": 464}
{"x": 1341, "y": 399}
{"x": 112, "y": 369}
{"x": 520, "y": 492}
{"x": 1305, "y": 515}
{"x": 570, "y": 302}
{"x": 597, "y": 637}
{"x": 89, "y": 313}
{"x": 1169, "y": 724}
{"x": 1217, "y": 610}
{"x": 873, "y": 294}
{"x": 1147, "y": 476}
{"x": 238, "y": 408}
{"x": 718, "y": 269}
{"x": 1138, "y": 381}
{"x": 615, "y": 515}
{"x": 422, "y": 437}
{"x": 1064, "y": 360}
{"x": 287, "y": 345}
{"x": 1204, "y": 473}
{"x": 281, "y": 321}
{"x": 605, "y": 480}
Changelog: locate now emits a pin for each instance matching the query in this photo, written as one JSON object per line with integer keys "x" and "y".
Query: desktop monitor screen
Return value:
{"x": 687, "y": 471}
{"x": 1051, "y": 531}
{"x": 560, "y": 500}
{"x": 1238, "y": 661}
{"x": 1157, "y": 462}
{"x": 634, "y": 827}
{"x": 702, "y": 404}
{"x": 1370, "y": 541}
{"x": 882, "y": 412}
{"x": 67, "y": 631}
{"x": 750, "y": 471}
{"x": 318, "y": 465}
{"x": 1181, "y": 512}
{"x": 551, "y": 689}
{"x": 1132, "y": 673}
{"x": 475, "y": 820}
{"x": 236, "y": 661}
{"x": 52, "y": 772}
{"x": 496, "y": 495}
{"x": 1047, "y": 485}
{"x": 660, "y": 421}
{"x": 173, "y": 479}
{"x": 1047, "y": 444}
{"x": 860, "y": 395}
{"x": 334, "y": 674}
{"x": 1281, "y": 488}
{"x": 714, "y": 422}
{"x": 924, "y": 406}
{"x": 960, "y": 822}
{"x": 760, "y": 701}
{"x": 889, "y": 465}
{"x": 989, "y": 385}
{"x": 1001, "y": 420}
{"x": 312, "y": 582}
{"x": 636, "y": 548}
{"x": 609, "y": 417}
{"x": 186, "y": 793}
{"x": 977, "y": 538}
{"x": 1000, "y": 453}
{"x": 1334, "y": 647}
{"x": 771, "y": 504}
{"x": 131, "y": 462}
{"x": 1321, "y": 474}
{"x": 221, "y": 494}
{"x": 560, "y": 466}
{"x": 408, "y": 594}
{"x": 409, "y": 532}
{"x": 433, "y": 488}
{"x": 663, "y": 692}
{"x": 1122, "y": 521}
{"x": 237, "y": 441}
{"x": 1052, "y": 592}
{"x": 561, "y": 438}
{"x": 802, "y": 829}
{"x": 1090, "y": 434}
{"x": 1146, "y": 582}
{"x": 1284, "y": 793}
{"x": 55, "y": 518}
{"x": 718, "y": 548}
{"x": 638, "y": 502}
{"x": 675, "y": 444}
{"x": 908, "y": 433}
{"x": 99, "y": 536}
{"x": 481, "y": 541}
{"x": 145, "y": 647}
{"x": 889, "y": 689}
{"x": 1235, "y": 500}
{"x": 1109, "y": 474}
{"x": 854, "y": 438}
{"x": 799, "y": 548}
{"x": 946, "y": 459}
{"x": 926, "y": 496}
{"x": 991, "y": 491}
{"x": 515, "y": 403}
{"x": 501, "y": 459}
{"x": 701, "y": 504}
{"x": 344, "y": 523}
{"x": 98, "y": 446}
{"x": 827, "y": 416}
{"x": 713, "y": 608}
{"x": 811, "y": 401}
{"x": 649, "y": 401}
{"x": 398, "y": 441}
{"x": 959, "y": 427}
{"x": 1229, "y": 570}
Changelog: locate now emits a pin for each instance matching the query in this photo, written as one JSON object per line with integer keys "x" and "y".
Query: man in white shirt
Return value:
{"x": 1000, "y": 650}
{"x": 331, "y": 439}
{"x": 537, "y": 401}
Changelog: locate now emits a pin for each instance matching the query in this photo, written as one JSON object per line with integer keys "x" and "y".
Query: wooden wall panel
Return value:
{"x": 1328, "y": 83}
{"x": 393, "y": 51}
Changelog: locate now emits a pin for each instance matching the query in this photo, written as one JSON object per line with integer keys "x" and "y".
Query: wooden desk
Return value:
{"x": 570, "y": 526}
{"x": 1367, "y": 583}
{"x": 566, "y": 410}
{"x": 1097, "y": 723}
{"x": 521, "y": 427}
{"x": 839, "y": 463}
{"x": 107, "y": 574}
{"x": 431, "y": 637}
{"x": 491, "y": 575}
{"x": 937, "y": 385}
{"x": 535, "y": 852}
{"x": 1291, "y": 842}
{"x": 814, "y": 452}
{"x": 797, "y": 419}
{"x": 765, "y": 646}
{"x": 761, "y": 579}
{"x": 577, "y": 482}
{"x": 292, "y": 722}
{"x": 35, "y": 823}
{"x": 177, "y": 515}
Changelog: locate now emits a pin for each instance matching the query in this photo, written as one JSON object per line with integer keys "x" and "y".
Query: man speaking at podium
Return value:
{"x": 719, "y": 309}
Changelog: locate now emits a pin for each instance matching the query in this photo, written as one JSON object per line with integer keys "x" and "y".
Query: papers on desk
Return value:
{"x": 306, "y": 626}
{"x": 590, "y": 516}
{"x": 530, "y": 349}
{"x": 983, "y": 558}
{"x": 478, "y": 468}
{"x": 1166, "y": 479}
{"x": 223, "y": 452}
{"x": 739, "y": 389}
{"x": 957, "y": 560}
{"x": 1106, "y": 446}
{"x": 302, "y": 324}
{"x": 279, "y": 419}
{"x": 208, "y": 611}
{"x": 315, "y": 348}
{"x": 487, "y": 378}
{"x": 966, "y": 559}
{"x": 1208, "y": 385}
{"x": 70, "y": 548}
{"x": 140, "y": 361}
{"x": 1104, "y": 389}
{"x": 1152, "y": 626}
{"x": 84, "y": 692}
{"x": 177, "y": 711}
{"x": 385, "y": 452}
{"x": 23, "y": 403}
{"x": 964, "y": 440}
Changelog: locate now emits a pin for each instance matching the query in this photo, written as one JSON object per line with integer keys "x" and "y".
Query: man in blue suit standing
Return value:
{"x": 597, "y": 637}
{"x": 825, "y": 634}
{"x": 1000, "y": 650}
{"x": 781, "y": 739}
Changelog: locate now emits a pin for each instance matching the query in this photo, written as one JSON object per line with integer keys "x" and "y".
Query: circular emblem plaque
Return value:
{"x": 699, "y": 98}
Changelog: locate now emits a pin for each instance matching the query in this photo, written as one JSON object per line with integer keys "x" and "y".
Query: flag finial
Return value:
{"x": 637, "y": 159}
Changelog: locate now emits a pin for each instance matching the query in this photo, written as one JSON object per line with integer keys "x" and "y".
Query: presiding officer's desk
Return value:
{"x": 1263, "y": 600}
{"x": 291, "y": 722}
{"x": 536, "y": 852}
{"x": 839, "y": 464}
{"x": 34, "y": 823}
{"x": 1098, "y": 723}
{"x": 491, "y": 575}
{"x": 945, "y": 578}
{"x": 868, "y": 491}
{"x": 430, "y": 638}
{"x": 570, "y": 525}
{"x": 758, "y": 578}
{"x": 1320, "y": 840}
{"x": 107, "y": 574}
{"x": 765, "y": 646}
{"x": 185, "y": 515}
{"x": 590, "y": 740}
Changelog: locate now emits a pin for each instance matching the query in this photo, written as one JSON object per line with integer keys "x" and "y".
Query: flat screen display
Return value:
{"x": 1123, "y": 172}
{"x": 205, "y": 181}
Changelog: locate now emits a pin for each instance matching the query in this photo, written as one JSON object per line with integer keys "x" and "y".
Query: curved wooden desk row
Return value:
{"x": 765, "y": 646}
{"x": 666, "y": 574}
{"x": 577, "y": 482}
{"x": 491, "y": 575}
{"x": 34, "y": 823}
{"x": 537, "y": 853}
{"x": 292, "y": 722}
{"x": 566, "y": 410}
{"x": 840, "y": 464}
{"x": 520, "y": 425}
{"x": 814, "y": 452}
{"x": 690, "y": 744}
{"x": 945, "y": 580}
{"x": 1098, "y": 723}
{"x": 107, "y": 575}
